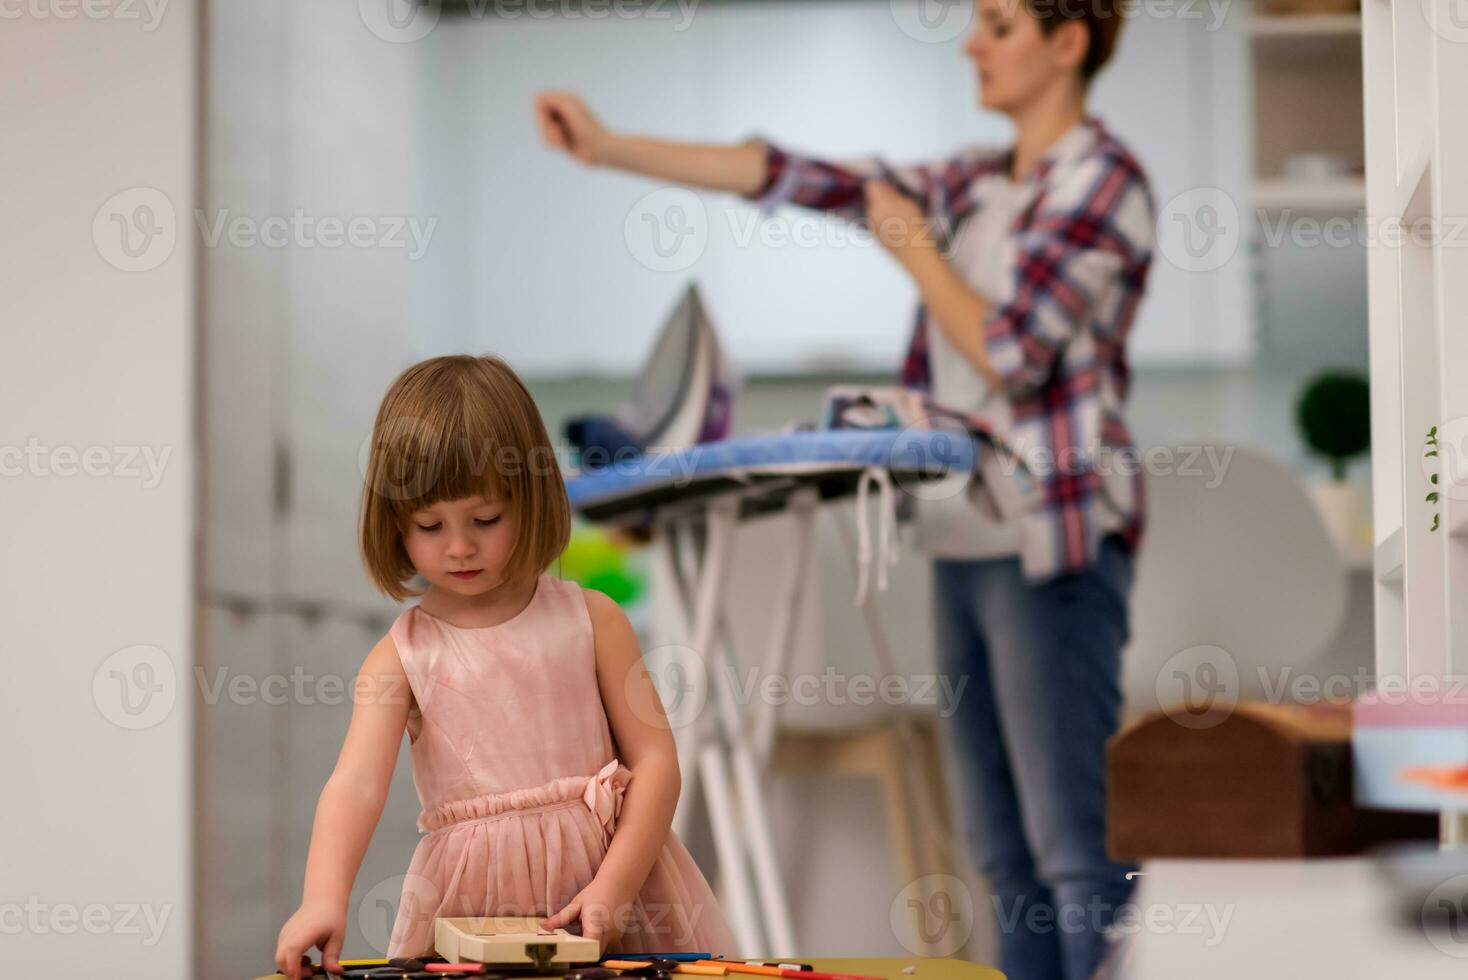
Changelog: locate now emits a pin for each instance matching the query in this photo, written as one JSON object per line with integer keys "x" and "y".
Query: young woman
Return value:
{"x": 1023, "y": 322}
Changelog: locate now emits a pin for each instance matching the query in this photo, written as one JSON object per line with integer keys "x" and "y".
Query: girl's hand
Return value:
{"x": 897, "y": 221}
{"x": 312, "y": 925}
{"x": 566, "y": 124}
{"x": 605, "y": 911}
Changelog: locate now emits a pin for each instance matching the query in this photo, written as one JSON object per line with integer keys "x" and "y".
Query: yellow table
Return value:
{"x": 887, "y": 967}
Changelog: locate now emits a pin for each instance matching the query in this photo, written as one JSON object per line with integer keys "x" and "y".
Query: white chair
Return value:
{"x": 1245, "y": 566}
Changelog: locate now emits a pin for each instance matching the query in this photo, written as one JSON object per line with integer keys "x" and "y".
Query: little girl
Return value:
{"x": 541, "y": 752}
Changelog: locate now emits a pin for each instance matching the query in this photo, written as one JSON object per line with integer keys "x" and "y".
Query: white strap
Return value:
{"x": 887, "y": 549}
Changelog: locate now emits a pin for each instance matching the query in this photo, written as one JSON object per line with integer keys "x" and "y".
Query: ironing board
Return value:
{"x": 694, "y": 499}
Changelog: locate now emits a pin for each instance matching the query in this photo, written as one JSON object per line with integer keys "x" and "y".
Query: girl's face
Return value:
{"x": 1015, "y": 59}
{"x": 473, "y": 535}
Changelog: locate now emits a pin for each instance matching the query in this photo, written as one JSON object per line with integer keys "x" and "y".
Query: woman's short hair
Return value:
{"x": 454, "y": 427}
{"x": 1101, "y": 18}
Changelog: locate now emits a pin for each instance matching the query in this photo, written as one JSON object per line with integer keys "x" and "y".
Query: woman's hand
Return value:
{"x": 566, "y": 124}
{"x": 313, "y": 925}
{"x": 604, "y": 909}
{"x": 898, "y": 222}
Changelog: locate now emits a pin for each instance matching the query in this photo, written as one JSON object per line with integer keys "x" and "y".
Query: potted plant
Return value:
{"x": 1334, "y": 418}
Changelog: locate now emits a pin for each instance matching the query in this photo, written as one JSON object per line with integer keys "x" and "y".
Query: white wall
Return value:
{"x": 532, "y": 255}
{"x": 97, "y": 569}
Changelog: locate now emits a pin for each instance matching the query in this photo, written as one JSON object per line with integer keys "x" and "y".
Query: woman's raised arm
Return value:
{"x": 566, "y": 124}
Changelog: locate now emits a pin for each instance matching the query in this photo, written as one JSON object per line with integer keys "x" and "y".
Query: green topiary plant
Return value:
{"x": 1334, "y": 416}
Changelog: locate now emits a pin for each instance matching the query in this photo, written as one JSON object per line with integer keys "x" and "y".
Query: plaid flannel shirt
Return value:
{"x": 1084, "y": 244}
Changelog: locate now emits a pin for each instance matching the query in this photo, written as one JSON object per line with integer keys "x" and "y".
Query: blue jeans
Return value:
{"x": 1027, "y": 737}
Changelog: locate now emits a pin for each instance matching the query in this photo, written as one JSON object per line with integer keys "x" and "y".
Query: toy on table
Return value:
{"x": 507, "y": 946}
{"x": 516, "y": 941}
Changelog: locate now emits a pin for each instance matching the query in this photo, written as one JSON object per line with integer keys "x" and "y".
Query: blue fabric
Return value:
{"x": 898, "y": 449}
{"x": 600, "y": 440}
{"x": 1040, "y": 668}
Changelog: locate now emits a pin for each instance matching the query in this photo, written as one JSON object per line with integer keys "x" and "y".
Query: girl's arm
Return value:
{"x": 645, "y": 745}
{"x": 350, "y": 805}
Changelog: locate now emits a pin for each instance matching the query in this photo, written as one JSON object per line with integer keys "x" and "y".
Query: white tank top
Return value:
{"x": 984, "y": 255}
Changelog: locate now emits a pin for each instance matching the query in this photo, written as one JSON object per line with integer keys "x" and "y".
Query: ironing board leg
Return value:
{"x": 790, "y": 596}
{"x": 924, "y": 786}
{"x": 730, "y": 845}
{"x": 704, "y": 602}
{"x": 755, "y": 812}
{"x": 668, "y": 568}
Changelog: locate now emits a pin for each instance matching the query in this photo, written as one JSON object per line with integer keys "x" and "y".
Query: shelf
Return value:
{"x": 1305, "y": 26}
{"x": 1346, "y": 193}
{"x": 1288, "y": 41}
{"x": 1391, "y": 554}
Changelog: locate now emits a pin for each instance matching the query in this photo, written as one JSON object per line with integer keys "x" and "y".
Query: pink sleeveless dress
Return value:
{"x": 520, "y": 783}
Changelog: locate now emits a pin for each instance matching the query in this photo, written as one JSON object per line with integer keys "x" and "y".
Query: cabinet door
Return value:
{"x": 244, "y": 296}
{"x": 350, "y": 134}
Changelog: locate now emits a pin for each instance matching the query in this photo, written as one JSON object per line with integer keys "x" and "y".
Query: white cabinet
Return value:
{"x": 1415, "y": 71}
{"x": 1416, "y": 67}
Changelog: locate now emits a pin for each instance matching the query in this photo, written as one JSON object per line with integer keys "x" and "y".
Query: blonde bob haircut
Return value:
{"x": 454, "y": 427}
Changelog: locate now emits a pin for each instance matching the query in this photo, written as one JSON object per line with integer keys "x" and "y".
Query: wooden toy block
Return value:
{"x": 510, "y": 941}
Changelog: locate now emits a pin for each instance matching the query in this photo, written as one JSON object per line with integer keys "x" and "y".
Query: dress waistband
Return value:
{"x": 601, "y": 794}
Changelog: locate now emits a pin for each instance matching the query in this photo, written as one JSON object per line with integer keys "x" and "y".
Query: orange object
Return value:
{"x": 711, "y": 968}
{"x": 1438, "y": 777}
{"x": 755, "y": 968}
